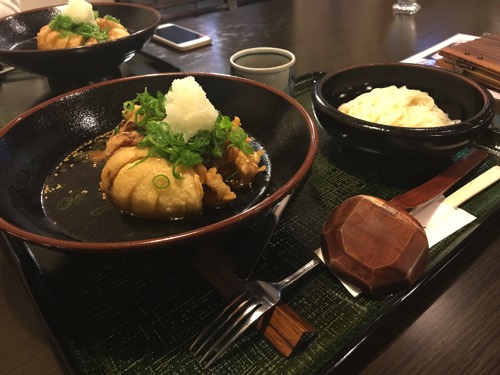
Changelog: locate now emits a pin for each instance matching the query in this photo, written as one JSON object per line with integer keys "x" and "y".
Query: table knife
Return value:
{"x": 255, "y": 239}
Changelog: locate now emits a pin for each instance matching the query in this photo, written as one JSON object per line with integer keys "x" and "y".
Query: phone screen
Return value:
{"x": 177, "y": 34}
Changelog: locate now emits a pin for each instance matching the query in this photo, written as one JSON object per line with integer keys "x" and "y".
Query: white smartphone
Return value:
{"x": 180, "y": 37}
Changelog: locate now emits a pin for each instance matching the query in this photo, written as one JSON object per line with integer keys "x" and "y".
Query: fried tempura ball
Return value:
{"x": 241, "y": 168}
{"x": 115, "y": 29}
{"x": 48, "y": 39}
{"x": 123, "y": 156}
{"x": 125, "y": 135}
{"x": 245, "y": 167}
{"x": 217, "y": 192}
{"x": 147, "y": 188}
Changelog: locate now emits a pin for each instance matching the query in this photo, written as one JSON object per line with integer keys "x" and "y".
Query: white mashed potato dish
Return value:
{"x": 397, "y": 106}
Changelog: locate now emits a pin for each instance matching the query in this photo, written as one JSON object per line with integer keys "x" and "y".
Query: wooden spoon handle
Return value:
{"x": 439, "y": 184}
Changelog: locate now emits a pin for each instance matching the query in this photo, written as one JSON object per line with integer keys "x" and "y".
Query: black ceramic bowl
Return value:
{"x": 460, "y": 97}
{"x": 18, "y": 42}
{"x": 76, "y": 217}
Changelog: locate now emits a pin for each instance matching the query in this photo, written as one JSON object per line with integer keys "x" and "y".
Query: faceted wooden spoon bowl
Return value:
{"x": 377, "y": 245}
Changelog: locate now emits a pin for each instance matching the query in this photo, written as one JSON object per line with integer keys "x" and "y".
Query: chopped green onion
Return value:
{"x": 66, "y": 27}
{"x": 161, "y": 181}
{"x": 111, "y": 18}
{"x": 238, "y": 138}
{"x": 170, "y": 145}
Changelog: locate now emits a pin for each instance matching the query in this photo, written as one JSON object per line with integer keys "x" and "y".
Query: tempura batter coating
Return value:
{"x": 147, "y": 187}
{"x": 243, "y": 167}
{"x": 115, "y": 30}
{"x": 217, "y": 192}
{"x": 48, "y": 39}
{"x": 121, "y": 157}
{"x": 125, "y": 135}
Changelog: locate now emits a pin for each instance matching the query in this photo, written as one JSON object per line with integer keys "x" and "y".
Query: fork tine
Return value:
{"x": 241, "y": 325}
{"x": 262, "y": 296}
{"x": 238, "y": 300}
{"x": 247, "y": 306}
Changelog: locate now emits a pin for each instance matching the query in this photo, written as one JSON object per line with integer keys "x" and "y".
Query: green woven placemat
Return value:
{"x": 139, "y": 313}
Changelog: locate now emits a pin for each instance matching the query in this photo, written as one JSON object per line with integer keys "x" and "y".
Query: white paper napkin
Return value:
{"x": 440, "y": 220}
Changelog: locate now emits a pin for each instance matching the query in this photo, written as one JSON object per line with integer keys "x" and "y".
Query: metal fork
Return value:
{"x": 256, "y": 298}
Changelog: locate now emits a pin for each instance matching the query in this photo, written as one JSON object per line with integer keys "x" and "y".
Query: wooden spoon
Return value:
{"x": 377, "y": 245}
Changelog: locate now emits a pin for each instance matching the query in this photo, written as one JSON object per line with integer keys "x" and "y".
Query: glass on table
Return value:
{"x": 406, "y": 7}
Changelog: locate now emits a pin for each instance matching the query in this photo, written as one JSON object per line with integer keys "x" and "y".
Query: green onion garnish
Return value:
{"x": 66, "y": 27}
{"x": 170, "y": 145}
{"x": 161, "y": 181}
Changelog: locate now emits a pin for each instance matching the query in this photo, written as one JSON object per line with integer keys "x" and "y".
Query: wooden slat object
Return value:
{"x": 283, "y": 327}
{"x": 478, "y": 59}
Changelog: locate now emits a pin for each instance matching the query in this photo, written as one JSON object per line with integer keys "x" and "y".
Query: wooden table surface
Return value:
{"x": 456, "y": 328}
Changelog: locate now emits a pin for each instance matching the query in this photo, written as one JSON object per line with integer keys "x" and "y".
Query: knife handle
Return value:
{"x": 440, "y": 183}
{"x": 474, "y": 187}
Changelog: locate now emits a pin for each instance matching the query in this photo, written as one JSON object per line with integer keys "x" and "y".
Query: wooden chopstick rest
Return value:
{"x": 282, "y": 326}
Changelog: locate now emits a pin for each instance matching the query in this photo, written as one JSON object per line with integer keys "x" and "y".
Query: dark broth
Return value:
{"x": 73, "y": 202}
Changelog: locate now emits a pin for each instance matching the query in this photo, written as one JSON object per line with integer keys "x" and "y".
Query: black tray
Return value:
{"x": 139, "y": 313}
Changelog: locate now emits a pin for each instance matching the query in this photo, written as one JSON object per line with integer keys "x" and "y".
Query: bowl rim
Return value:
{"x": 466, "y": 125}
{"x": 14, "y": 52}
{"x": 260, "y": 207}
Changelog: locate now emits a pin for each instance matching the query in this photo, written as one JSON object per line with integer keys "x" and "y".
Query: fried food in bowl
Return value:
{"x": 173, "y": 152}
{"x": 18, "y": 41}
{"x": 52, "y": 189}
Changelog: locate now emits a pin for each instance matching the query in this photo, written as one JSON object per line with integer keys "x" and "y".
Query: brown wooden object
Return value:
{"x": 377, "y": 245}
{"x": 284, "y": 328}
{"x": 479, "y": 59}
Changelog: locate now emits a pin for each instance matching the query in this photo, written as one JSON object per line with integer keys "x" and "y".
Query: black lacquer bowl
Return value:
{"x": 18, "y": 42}
{"x": 458, "y": 96}
{"x": 75, "y": 217}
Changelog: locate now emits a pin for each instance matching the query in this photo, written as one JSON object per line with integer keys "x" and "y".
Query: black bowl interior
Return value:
{"x": 32, "y": 147}
{"x": 18, "y": 42}
{"x": 459, "y": 97}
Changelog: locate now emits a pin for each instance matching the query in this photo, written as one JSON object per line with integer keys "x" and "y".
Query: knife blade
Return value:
{"x": 255, "y": 239}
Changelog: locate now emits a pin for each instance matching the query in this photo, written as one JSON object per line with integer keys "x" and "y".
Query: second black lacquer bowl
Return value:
{"x": 18, "y": 46}
{"x": 458, "y": 96}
